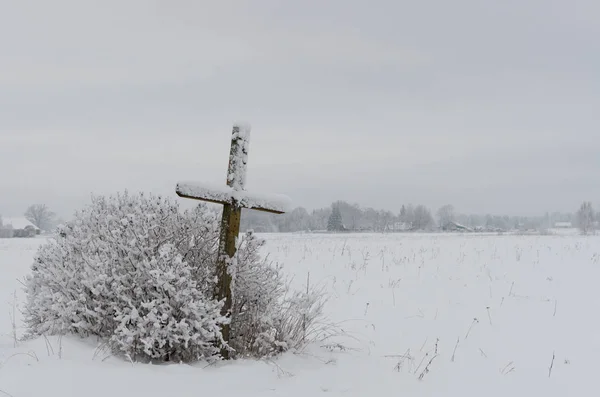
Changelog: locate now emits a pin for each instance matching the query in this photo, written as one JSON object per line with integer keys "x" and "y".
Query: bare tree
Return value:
{"x": 409, "y": 215}
{"x": 319, "y": 218}
{"x": 40, "y": 215}
{"x": 445, "y": 215}
{"x": 423, "y": 220}
{"x": 386, "y": 219}
{"x": 585, "y": 217}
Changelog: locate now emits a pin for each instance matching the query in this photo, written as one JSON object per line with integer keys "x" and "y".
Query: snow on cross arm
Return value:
{"x": 276, "y": 203}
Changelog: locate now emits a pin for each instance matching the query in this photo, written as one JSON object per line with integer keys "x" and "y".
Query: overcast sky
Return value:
{"x": 490, "y": 105}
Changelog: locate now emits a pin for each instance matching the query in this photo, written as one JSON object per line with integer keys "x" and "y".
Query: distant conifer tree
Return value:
{"x": 335, "y": 223}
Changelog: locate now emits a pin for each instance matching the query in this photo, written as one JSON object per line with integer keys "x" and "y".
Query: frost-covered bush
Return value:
{"x": 268, "y": 317}
{"x": 173, "y": 320}
{"x": 138, "y": 273}
{"x": 132, "y": 270}
{"x": 258, "y": 292}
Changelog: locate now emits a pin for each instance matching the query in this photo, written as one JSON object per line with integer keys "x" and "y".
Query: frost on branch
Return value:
{"x": 140, "y": 275}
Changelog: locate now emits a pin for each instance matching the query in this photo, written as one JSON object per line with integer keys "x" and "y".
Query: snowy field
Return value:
{"x": 424, "y": 315}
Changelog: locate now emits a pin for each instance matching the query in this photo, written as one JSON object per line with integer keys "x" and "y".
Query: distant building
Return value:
{"x": 18, "y": 227}
{"x": 455, "y": 227}
{"x": 400, "y": 227}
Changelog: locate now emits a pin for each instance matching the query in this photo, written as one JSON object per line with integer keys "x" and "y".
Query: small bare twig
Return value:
{"x": 60, "y": 346}
{"x": 424, "y": 343}
{"x": 426, "y": 370}
{"x": 280, "y": 371}
{"x": 551, "y": 365}
{"x": 307, "y": 294}
{"x": 29, "y": 354}
{"x": 455, "y": 347}
{"x": 406, "y": 356}
{"x": 475, "y": 320}
{"x": 508, "y": 368}
{"x": 128, "y": 357}
{"x": 103, "y": 347}
{"x": 435, "y": 354}
{"x": 49, "y": 347}
{"x": 13, "y": 319}
{"x": 421, "y": 362}
{"x": 555, "y": 304}
{"x": 489, "y": 315}
{"x": 420, "y": 315}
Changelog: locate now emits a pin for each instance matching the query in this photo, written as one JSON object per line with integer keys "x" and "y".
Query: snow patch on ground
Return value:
{"x": 511, "y": 303}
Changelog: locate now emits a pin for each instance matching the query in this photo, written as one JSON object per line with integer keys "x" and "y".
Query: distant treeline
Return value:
{"x": 343, "y": 216}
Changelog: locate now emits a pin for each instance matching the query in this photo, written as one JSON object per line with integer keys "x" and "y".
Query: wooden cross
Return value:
{"x": 234, "y": 198}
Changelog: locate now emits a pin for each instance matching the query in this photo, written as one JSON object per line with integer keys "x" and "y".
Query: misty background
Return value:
{"x": 489, "y": 106}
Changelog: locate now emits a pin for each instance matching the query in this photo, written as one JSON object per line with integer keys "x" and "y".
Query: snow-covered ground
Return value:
{"x": 424, "y": 315}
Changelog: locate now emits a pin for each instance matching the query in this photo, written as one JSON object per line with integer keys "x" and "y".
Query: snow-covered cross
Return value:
{"x": 234, "y": 198}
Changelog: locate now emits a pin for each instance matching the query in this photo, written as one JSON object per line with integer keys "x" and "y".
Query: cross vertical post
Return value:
{"x": 234, "y": 198}
{"x": 230, "y": 225}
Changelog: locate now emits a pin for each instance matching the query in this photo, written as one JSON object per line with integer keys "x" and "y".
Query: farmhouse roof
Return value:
{"x": 18, "y": 223}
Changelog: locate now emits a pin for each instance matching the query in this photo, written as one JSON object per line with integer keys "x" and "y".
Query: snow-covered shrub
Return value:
{"x": 173, "y": 320}
{"x": 258, "y": 292}
{"x": 268, "y": 317}
{"x": 134, "y": 271}
{"x": 138, "y": 273}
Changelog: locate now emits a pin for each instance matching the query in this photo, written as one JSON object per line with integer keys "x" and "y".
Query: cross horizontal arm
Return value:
{"x": 205, "y": 192}
{"x": 274, "y": 203}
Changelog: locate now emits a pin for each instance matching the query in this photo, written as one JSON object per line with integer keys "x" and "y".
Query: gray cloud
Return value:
{"x": 491, "y": 106}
